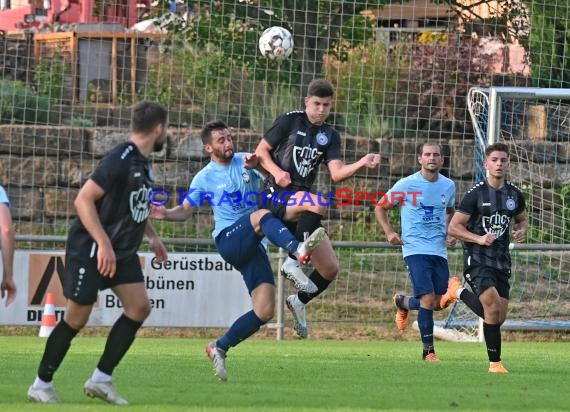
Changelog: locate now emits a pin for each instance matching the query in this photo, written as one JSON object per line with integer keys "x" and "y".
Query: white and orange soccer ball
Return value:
{"x": 276, "y": 43}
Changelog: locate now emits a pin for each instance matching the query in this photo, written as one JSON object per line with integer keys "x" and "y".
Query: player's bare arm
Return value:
{"x": 7, "y": 287}
{"x": 520, "y": 228}
{"x": 155, "y": 242}
{"x": 381, "y": 213}
{"x": 450, "y": 240}
{"x": 263, "y": 153}
{"x": 340, "y": 171}
{"x": 87, "y": 212}
{"x": 250, "y": 161}
{"x": 176, "y": 214}
{"x": 458, "y": 229}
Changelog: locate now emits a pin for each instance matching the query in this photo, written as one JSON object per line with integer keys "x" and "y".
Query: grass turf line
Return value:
{"x": 313, "y": 375}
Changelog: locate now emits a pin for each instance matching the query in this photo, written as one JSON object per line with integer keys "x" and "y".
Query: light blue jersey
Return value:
{"x": 230, "y": 190}
{"x": 4, "y": 197}
{"x": 423, "y": 210}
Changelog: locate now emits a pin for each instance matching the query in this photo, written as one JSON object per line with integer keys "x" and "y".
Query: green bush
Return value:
{"x": 547, "y": 43}
{"x": 48, "y": 77}
{"x": 20, "y": 104}
{"x": 267, "y": 102}
{"x": 187, "y": 75}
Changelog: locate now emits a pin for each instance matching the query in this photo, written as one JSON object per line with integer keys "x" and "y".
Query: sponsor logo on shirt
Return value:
{"x": 305, "y": 158}
{"x": 139, "y": 204}
{"x": 496, "y": 223}
{"x": 429, "y": 215}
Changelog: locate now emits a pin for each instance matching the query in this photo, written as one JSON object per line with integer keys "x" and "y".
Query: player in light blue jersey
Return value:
{"x": 7, "y": 285}
{"x": 230, "y": 185}
{"x": 427, "y": 203}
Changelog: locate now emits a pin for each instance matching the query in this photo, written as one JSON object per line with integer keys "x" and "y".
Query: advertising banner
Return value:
{"x": 188, "y": 290}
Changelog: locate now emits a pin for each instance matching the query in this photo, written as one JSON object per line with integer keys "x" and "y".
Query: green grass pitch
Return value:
{"x": 174, "y": 374}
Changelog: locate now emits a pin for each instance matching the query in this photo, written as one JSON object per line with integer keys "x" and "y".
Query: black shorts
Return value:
{"x": 481, "y": 278}
{"x": 82, "y": 281}
{"x": 275, "y": 200}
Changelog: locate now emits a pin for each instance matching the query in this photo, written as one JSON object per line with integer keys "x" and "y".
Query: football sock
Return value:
{"x": 119, "y": 341}
{"x": 99, "y": 376}
{"x": 472, "y": 302}
{"x": 427, "y": 349}
{"x": 321, "y": 284}
{"x": 245, "y": 326}
{"x": 57, "y": 345}
{"x": 492, "y": 333}
{"x": 308, "y": 222}
{"x": 425, "y": 324}
{"x": 40, "y": 384}
{"x": 413, "y": 303}
{"x": 277, "y": 233}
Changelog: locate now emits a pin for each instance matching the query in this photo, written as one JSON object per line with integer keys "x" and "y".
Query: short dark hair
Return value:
{"x": 206, "y": 133}
{"x": 497, "y": 147}
{"x": 421, "y": 147}
{"x": 146, "y": 115}
{"x": 320, "y": 88}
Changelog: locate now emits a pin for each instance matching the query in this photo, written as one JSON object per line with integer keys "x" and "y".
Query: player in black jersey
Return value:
{"x": 483, "y": 222}
{"x": 291, "y": 151}
{"x": 101, "y": 252}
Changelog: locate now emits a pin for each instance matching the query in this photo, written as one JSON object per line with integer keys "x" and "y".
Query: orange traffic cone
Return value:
{"x": 48, "y": 316}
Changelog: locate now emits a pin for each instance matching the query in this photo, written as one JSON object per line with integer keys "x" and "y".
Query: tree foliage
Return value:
{"x": 542, "y": 27}
{"x": 318, "y": 26}
{"x": 548, "y": 43}
{"x": 443, "y": 68}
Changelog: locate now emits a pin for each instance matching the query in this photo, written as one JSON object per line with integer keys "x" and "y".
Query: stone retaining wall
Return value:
{"x": 42, "y": 168}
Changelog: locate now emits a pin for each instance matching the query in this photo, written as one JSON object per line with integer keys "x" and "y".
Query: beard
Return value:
{"x": 159, "y": 145}
{"x": 225, "y": 155}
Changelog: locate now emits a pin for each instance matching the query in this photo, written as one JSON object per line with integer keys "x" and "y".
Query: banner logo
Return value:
{"x": 45, "y": 274}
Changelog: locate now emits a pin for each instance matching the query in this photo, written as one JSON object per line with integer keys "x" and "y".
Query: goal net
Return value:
{"x": 401, "y": 71}
{"x": 535, "y": 123}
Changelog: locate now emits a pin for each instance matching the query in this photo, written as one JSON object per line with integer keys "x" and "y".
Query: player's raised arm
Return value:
{"x": 340, "y": 171}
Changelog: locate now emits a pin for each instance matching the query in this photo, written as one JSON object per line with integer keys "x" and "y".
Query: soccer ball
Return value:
{"x": 276, "y": 43}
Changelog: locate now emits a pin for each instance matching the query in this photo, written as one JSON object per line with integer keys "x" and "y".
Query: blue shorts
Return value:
{"x": 428, "y": 273}
{"x": 241, "y": 247}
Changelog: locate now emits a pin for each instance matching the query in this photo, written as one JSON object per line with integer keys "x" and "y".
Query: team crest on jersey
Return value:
{"x": 443, "y": 200}
{"x": 305, "y": 159}
{"x": 511, "y": 205}
{"x": 322, "y": 138}
{"x": 496, "y": 223}
{"x": 246, "y": 177}
{"x": 138, "y": 202}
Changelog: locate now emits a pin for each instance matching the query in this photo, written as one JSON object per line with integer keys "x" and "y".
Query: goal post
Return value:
{"x": 535, "y": 123}
{"x": 498, "y": 94}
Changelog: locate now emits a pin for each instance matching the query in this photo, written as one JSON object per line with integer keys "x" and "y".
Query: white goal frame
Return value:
{"x": 496, "y": 94}
{"x": 484, "y": 105}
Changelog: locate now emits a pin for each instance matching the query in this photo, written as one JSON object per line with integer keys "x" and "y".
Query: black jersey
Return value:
{"x": 300, "y": 146}
{"x": 491, "y": 211}
{"x": 126, "y": 177}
